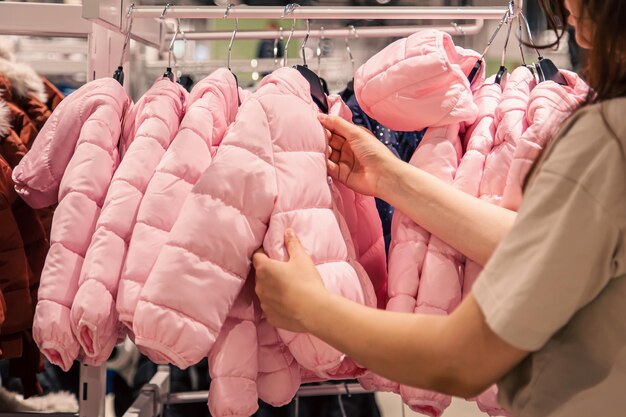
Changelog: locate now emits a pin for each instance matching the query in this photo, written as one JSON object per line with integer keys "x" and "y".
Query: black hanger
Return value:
{"x": 548, "y": 71}
{"x": 186, "y": 81}
{"x": 318, "y": 93}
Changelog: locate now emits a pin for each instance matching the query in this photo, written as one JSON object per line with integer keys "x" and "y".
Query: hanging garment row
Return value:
{"x": 26, "y": 101}
{"x": 161, "y": 204}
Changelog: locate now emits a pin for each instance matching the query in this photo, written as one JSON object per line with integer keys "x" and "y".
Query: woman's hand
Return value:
{"x": 355, "y": 156}
{"x": 288, "y": 290}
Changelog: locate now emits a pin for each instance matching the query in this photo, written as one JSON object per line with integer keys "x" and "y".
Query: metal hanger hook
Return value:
{"x": 505, "y": 19}
{"x": 306, "y": 39}
{"x": 355, "y": 35}
{"x": 232, "y": 38}
{"x": 278, "y": 38}
{"x": 129, "y": 29}
{"x": 318, "y": 52}
{"x": 171, "y": 48}
{"x": 506, "y": 42}
{"x": 289, "y": 9}
{"x": 530, "y": 34}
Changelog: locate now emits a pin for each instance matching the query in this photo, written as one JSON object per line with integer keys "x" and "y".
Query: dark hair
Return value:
{"x": 606, "y": 61}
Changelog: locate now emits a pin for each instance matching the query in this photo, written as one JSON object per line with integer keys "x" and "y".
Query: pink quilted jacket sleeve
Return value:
{"x": 94, "y": 316}
{"x": 71, "y": 162}
{"x": 550, "y": 104}
{"x": 233, "y": 361}
{"x": 210, "y": 109}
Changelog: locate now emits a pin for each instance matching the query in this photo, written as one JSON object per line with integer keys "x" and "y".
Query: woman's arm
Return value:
{"x": 471, "y": 226}
{"x": 457, "y": 354}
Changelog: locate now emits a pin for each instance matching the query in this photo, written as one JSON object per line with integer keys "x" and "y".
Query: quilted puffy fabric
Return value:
{"x": 211, "y": 254}
{"x": 152, "y": 124}
{"x": 479, "y": 143}
{"x": 234, "y": 359}
{"x": 279, "y": 375}
{"x": 364, "y": 226}
{"x": 71, "y": 162}
{"x": 438, "y": 98}
{"x": 417, "y": 82}
{"x": 211, "y": 108}
{"x": 511, "y": 123}
{"x": 549, "y": 105}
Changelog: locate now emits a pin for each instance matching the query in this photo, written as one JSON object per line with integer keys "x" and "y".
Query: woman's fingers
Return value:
{"x": 337, "y": 142}
{"x": 335, "y": 156}
{"x": 337, "y": 125}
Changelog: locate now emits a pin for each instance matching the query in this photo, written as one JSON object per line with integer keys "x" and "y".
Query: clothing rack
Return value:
{"x": 102, "y": 22}
{"x": 337, "y": 33}
{"x": 155, "y": 394}
{"x": 322, "y": 13}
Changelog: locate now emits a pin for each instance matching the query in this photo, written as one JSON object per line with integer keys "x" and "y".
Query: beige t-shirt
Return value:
{"x": 556, "y": 285}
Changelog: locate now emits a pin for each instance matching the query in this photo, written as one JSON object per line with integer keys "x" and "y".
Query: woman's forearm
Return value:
{"x": 468, "y": 224}
{"x": 456, "y": 354}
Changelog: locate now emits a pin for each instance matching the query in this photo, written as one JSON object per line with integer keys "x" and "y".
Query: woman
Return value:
{"x": 547, "y": 317}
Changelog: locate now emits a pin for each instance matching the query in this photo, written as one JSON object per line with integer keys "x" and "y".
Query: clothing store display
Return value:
{"x": 72, "y": 163}
{"x": 210, "y": 108}
{"x": 579, "y": 189}
{"x": 149, "y": 128}
{"x": 137, "y": 221}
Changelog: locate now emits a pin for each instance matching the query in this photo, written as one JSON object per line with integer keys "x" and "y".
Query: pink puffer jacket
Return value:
{"x": 72, "y": 162}
{"x": 152, "y": 123}
{"x": 261, "y": 181}
{"x": 550, "y": 104}
{"x": 480, "y": 141}
{"x": 422, "y": 70}
{"x": 279, "y": 376}
{"x": 211, "y": 108}
{"x": 511, "y": 123}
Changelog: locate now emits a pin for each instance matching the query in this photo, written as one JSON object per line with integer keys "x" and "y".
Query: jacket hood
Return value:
{"x": 418, "y": 82}
{"x": 5, "y": 119}
{"x": 24, "y": 80}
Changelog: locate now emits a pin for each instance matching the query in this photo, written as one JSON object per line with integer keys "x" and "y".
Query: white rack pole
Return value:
{"x": 318, "y": 12}
{"x": 40, "y": 19}
{"x": 363, "y": 32}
